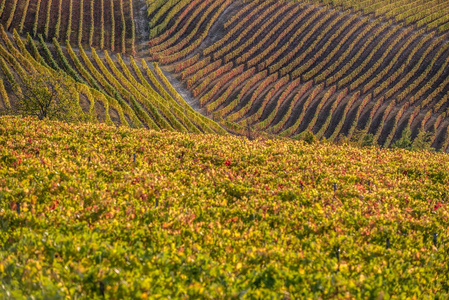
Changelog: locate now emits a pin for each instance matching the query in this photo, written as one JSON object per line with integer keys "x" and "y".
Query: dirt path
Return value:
{"x": 184, "y": 92}
{"x": 141, "y": 25}
{"x": 141, "y": 44}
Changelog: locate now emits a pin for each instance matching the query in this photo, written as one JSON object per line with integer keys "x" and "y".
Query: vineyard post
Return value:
{"x": 134, "y": 157}
{"x": 248, "y": 128}
{"x": 435, "y": 239}
{"x": 337, "y": 254}
{"x": 157, "y": 203}
{"x": 335, "y": 187}
{"x": 388, "y": 243}
{"x": 18, "y": 208}
{"x": 102, "y": 289}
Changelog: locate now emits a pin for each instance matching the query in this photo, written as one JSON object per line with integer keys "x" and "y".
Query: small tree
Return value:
{"x": 47, "y": 97}
{"x": 405, "y": 141}
{"x": 307, "y": 136}
{"x": 368, "y": 140}
{"x": 361, "y": 137}
{"x": 423, "y": 141}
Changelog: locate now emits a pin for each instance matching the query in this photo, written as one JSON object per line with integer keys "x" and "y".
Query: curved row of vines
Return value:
{"x": 105, "y": 24}
{"x": 113, "y": 89}
{"x": 287, "y": 68}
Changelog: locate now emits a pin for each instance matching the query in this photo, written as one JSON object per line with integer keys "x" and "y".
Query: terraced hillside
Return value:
{"x": 370, "y": 66}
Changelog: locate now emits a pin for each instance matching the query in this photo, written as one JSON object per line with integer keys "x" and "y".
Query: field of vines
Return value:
{"x": 153, "y": 198}
{"x": 431, "y": 14}
{"x": 104, "y": 24}
{"x": 336, "y": 68}
{"x": 111, "y": 88}
{"x": 99, "y": 212}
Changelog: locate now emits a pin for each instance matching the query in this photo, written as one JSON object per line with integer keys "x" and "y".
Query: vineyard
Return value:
{"x": 93, "y": 211}
{"x": 207, "y": 169}
{"x": 334, "y": 68}
{"x": 339, "y": 69}
{"x": 110, "y": 90}
{"x": 105, "y": 24}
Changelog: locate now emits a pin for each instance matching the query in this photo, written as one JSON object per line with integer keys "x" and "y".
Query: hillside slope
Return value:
{"x": 286, "y": 67}
{"x": 111, "y": 89}
{"x": 92, "y": 211}
{"x": 339, "y": 69}
{"x": 54, "y": 35}
{"x": 104, "y": 24}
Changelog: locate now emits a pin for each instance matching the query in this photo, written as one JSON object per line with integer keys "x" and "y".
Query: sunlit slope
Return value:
{"x": 288, "y": 67}
{"x": 127, "y": 213}
{"x": 430, "y": 14}
{"x": 111, "y": 90}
